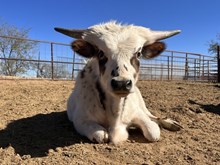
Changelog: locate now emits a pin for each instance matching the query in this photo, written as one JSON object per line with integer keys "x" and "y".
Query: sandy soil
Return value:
{"x": 34, "y": 128}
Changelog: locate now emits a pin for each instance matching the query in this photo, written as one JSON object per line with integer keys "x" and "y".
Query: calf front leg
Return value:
{"x": 150, "y": 129}
{"x": 118, "y": 133}
{"x": 93, "y": 131}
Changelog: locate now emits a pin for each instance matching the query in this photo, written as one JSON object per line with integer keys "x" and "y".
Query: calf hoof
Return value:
{"x": 118, "y": 135}
{"x": 170, "y": 124}
{"x": 152, "y": 134}
{"x": 100, "y": 137}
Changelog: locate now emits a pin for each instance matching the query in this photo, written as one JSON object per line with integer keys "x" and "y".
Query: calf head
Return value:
{"x": 118, "y": 49}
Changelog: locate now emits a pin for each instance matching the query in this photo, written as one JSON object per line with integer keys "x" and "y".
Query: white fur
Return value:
{"x": 90, "y": 118}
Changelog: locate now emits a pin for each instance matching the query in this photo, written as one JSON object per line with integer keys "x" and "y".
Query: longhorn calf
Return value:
{"x": 106, "y": 101}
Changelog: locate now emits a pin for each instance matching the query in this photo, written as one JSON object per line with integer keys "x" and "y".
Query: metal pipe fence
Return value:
{"x": 53, "y": 60}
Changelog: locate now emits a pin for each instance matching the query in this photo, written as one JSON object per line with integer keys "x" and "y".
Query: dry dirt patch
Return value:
{"x": 34, "y": 128}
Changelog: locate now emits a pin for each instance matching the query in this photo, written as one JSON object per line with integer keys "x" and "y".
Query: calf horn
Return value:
{"x": 160, "y": 35}
{"x": 74, "y": 33}
{"x": 77, "y": 33}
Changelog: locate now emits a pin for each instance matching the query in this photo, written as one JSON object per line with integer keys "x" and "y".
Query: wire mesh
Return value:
{"x": 57, "y": 61}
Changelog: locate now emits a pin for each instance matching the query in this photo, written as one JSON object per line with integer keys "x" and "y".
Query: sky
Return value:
{"x": 199, "y": 20}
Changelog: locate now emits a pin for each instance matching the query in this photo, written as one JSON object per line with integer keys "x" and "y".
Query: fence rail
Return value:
{"x": 55, "y": 60}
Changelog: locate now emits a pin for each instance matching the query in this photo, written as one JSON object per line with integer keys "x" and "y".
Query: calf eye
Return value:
{"x": 138, "y": 55}
{"x": 101, "y": 55}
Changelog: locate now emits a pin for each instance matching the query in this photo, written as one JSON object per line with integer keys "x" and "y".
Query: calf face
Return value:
{"x": 118, "y": 68}
{"x": 118, "y": 49}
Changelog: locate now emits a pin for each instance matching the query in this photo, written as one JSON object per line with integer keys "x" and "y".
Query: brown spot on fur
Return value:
{"x": 135, "y": 63}
{"x": 114, "y": 73}
{"x": 102, "y": 61}
{"x": 82, "y": 73}
{"x": 101, "y": 94}
{"x": 135, "y": 75}
{"x": 90, "y": 69}
{"x": 125, "y": 68}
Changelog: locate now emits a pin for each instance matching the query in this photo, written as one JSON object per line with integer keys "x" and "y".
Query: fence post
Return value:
{"x": 194, "y": 69}
{"x": 168, "y": 69}
{"x": 38, "y": 66}
{"x": 186, "y": 68}
{"x": 52, "y": 67}
{"x": 218, "y": 60}
{"x": 172, "y": 65}
{"x": 203, "y": 68}
{"x": 208, "y": 70}
{"x": 74, "y": 54}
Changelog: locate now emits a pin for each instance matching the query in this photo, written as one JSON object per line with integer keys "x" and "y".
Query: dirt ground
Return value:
{"x": 34, "y": 128}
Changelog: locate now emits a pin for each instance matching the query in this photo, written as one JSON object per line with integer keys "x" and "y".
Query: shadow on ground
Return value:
{"x": 208, "y": 107}
{"x": 37, "y": 134}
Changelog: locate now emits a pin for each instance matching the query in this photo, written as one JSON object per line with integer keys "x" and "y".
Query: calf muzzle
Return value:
{"x": 121, "y": 86}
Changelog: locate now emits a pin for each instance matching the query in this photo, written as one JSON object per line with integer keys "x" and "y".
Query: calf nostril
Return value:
{"x": 128, "y": 84}
{"x": 114, "y": 84}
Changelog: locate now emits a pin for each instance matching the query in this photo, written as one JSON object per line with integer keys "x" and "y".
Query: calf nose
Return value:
{"x": 121, "y": 85}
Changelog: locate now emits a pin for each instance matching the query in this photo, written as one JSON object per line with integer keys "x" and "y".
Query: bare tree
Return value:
{"x": 44, "y": 70}
{"x": 60, "y": 71}
{"x": 213, "y": 44}
{"x": 14, "y": 49}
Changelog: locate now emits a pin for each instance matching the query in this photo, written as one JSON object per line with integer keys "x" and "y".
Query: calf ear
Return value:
{"x": 153, "y": 50}
{"x": 84, "y": 48}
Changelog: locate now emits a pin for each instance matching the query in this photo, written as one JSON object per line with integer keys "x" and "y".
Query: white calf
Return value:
{"x": 106, "y": 101}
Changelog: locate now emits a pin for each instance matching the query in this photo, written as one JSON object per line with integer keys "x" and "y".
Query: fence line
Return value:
{"x": 60, "y": 63}
{"x": 218, "y": 58}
